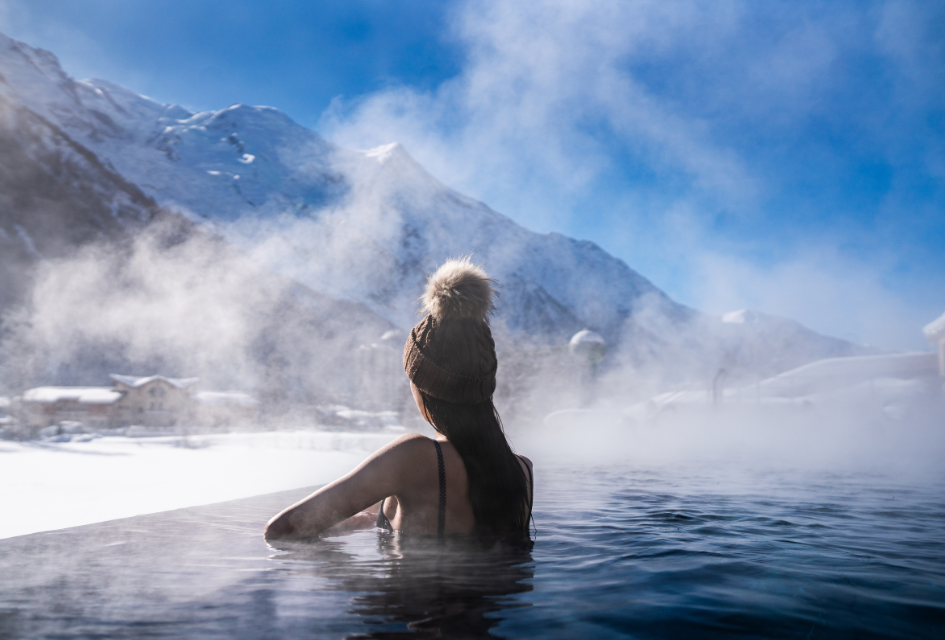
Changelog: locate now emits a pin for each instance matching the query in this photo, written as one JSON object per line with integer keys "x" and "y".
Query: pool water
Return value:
{"x": 662, "y": 552}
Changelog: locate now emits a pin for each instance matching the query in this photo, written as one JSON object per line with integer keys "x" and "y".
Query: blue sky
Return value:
{"x": 783, "y": 156}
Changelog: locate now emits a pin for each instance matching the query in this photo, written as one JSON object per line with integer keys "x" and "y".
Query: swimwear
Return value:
{"x": 383, "y": 523}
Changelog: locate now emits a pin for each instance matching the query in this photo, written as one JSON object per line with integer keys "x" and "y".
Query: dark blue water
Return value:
{"x": 751, "y": 554}
{"x": 659, "y": 553}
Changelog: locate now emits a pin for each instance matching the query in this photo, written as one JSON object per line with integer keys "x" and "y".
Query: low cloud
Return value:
{"x": 547, "y": 94}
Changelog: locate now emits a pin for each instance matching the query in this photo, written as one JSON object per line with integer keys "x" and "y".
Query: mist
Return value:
{"x": 184, "y": 303}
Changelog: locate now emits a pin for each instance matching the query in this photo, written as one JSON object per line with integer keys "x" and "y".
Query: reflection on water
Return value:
{"x": 419, "y": 587}
{"x": 206, "y": 572}
{"x": 620, "y": 552}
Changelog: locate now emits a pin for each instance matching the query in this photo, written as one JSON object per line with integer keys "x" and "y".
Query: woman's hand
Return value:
{"x": 363, "y": 520}
{"x": 279, "y": 527}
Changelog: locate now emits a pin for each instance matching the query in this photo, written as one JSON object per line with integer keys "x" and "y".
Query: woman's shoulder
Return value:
{"x": 406, "y": 444}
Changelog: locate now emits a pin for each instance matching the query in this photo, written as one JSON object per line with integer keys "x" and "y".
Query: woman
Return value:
{"x": 467, "y": 480}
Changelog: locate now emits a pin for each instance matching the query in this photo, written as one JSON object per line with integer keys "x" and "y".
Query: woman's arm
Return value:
{"x": 386, "y": 472}
{"x": 362, "y": 520}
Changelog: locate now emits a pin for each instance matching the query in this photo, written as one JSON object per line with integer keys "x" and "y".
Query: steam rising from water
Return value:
{"x": 188, "y": 304}
{"x": 182, "y": 303}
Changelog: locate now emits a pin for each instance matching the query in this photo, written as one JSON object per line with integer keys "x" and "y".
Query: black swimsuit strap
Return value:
{"x": 382, "y": 521}
{"x": 441, "y": 470}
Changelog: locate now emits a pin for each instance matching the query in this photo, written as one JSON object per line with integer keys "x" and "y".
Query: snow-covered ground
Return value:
{"x": 48, "y": 485}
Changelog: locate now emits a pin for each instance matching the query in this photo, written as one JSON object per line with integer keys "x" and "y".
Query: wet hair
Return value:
{"x": 498, "y": 490}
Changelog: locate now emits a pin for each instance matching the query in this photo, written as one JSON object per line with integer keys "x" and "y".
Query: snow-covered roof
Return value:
{"x": 225, "y": 398}
{"x": 85, "y": 395}
{"x": 135, "y": 381}
{"x": 935, "y": 330}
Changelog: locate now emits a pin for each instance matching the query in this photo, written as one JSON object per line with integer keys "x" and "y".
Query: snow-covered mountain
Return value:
{"x": 364, "y": 226}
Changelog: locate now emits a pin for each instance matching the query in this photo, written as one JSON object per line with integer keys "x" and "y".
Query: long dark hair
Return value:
{"x": 498, "y": 491}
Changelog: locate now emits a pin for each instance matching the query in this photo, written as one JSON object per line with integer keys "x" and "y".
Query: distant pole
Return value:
{"x": 935, "y": 333}
{"x": 718, "y": 387}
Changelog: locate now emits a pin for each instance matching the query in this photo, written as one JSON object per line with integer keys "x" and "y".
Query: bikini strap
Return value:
{"x": 381, "y": 522}
{"x": 441, "y": 514}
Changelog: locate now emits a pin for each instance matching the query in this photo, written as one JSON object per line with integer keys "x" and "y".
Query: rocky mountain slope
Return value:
{"x": 81, "y": 246}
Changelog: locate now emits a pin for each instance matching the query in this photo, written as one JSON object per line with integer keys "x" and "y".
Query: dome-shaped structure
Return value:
{"x": 589, "y": 345}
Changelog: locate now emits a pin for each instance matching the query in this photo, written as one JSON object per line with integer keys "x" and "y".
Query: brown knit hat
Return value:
{"x": 450, "y": 354}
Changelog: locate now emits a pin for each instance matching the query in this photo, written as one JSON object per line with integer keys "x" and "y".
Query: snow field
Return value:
{"x": 48, "y": 486}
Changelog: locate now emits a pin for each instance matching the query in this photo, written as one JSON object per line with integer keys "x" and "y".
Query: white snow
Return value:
{"x": 935, "y": 330}
{"x": 383, "y": 153}
{"x": 735, "y": 317}
{"x": 48, "y": 486}
{"x": 85, "y": 395}
{"x": 586, "y": 336}
{"x": 833, "y": 372}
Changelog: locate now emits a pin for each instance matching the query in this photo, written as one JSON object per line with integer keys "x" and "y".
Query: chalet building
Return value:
{"x": 153, "y": 401}
{"x": 48, "y": 406}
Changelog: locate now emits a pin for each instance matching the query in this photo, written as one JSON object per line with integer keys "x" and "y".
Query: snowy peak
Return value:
{"x": 758, "y": 321}
{"x": 20, "y": 60}
{"x": 737, "y": 317}
{"x": 235, "y": 160}
{"x": 385, "y": 152}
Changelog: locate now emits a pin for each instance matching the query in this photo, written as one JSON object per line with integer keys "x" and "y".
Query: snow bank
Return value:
{"x": 48, "y": 486}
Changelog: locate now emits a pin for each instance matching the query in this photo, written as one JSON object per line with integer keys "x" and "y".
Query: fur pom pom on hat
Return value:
{"x": 450, "y": 354}
{"x": 458, "y": 289}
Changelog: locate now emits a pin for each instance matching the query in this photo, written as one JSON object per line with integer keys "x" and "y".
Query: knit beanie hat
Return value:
{"x": 450, "y": 354}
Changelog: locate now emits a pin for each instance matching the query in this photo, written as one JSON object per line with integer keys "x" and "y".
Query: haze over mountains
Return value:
{"x": 240, "y": 247}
